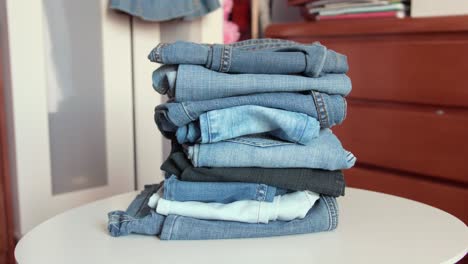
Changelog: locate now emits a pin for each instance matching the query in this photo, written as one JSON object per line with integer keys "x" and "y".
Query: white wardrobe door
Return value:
{"x": 151, "y": 148}
{"x": 72, "y": 114}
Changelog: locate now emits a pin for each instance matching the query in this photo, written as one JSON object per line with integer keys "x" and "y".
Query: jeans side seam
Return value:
{"x": 172, "y": 191}
{"x": 330, "y": 224}
{"x": 172, "y": 227}
{"x": 303, "y": 130}
{"x": 187, "y": 112}
{"x": 208, "y": 124}
{"x": 333, "y": 212}
{"x": 345, "y": 108}
{"x": 322, "y": 63}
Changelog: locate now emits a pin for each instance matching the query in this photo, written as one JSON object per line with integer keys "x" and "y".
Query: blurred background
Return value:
{"x": 76, "y": 102}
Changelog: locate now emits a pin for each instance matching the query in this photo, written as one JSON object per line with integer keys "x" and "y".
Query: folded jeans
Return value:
{"x": 324, "y": 152}
{"x": 320, "y": 181}
{"x": 285, "y": 207}
{"x": 195, "y": 83}
{"x": 268, "y": 56}
{"x": 228, "y": 123}
{"x": 323, "y": 216}
{"x": 217, "y": 192}
{"x": 328, "y": 109}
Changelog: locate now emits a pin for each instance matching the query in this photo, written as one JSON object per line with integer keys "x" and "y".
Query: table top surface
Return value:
{"x": 373, "y": 228}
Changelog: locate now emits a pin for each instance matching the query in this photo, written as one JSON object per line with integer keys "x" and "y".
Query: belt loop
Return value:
{"x": 321, "y": 109}
{"x": 209, "y": 60}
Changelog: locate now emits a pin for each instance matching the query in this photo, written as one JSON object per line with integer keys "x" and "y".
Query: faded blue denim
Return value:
{"x": 324, "y": 152}
{"x": 287, "y": 207}
{"x": 218, "y": 192}
{"x": 194, "y": 83}
{"x": 138, "y": 218}
{"x": 268, "y": 56}
{"x": 328, "y": 109}
{"x": 322, "y": 217}
{"x": 227, "y": 123}
{"x": 162, "y": 10}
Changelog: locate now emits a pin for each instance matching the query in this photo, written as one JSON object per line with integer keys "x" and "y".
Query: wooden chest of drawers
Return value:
{"x": 407, "y": 119}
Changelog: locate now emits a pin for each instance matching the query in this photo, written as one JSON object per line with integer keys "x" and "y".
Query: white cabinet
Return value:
{"x": 79, "y": 101}
{"x": 148, "y": 140}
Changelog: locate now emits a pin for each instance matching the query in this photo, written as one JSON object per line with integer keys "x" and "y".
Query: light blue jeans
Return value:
{"x": 285, "y": 207}
{"x": 330, "y": 110}
{"x": 227, "y": 123}
{"x": 141, "y": 219}
{"x": 268, "y": 56}
{"x": 324, "y": 152}
{"x": 218, "y": 192}
{"x": 195, "y": 83}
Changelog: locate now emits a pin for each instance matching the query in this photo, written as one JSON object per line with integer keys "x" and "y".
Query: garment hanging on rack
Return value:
{"x": 163, "y": 10}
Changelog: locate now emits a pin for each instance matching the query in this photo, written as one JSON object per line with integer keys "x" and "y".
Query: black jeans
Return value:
{"x": 320, "y": 181}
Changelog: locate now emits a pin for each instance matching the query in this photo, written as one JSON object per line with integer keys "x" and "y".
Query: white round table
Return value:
{"x": 373, "y": 228}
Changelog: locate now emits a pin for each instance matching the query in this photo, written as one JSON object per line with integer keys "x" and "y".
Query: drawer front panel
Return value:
{"x": 449, "y": 198}
{"x": 401, "y": 70}
{"x": 424, "y": 141}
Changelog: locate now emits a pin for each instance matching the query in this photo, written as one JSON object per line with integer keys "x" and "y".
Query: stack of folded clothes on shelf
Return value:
{"x": 357, "y": 9}
{"x": 252, "y": 150}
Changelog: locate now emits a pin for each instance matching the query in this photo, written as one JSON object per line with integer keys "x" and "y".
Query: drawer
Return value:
{"x": 427, "y": 69}
{"x": 426, "y": 141}
{"x": 427, "y": 72}
{"x": 449, "y": 198}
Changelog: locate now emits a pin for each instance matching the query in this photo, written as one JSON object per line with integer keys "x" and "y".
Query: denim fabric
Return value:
{"x": 138, "y": 218}
{"x": 162, "y": 10}
{"x": 196, "y": 83}
{"x": 138, "y": 206}
{"x": 268, "y": 56}
{"x": 285, "y": 207}
{"x": 324, "y": 152}
{"x": 328, "y": 109}
{"x": 217, "y": 192}
{"x": 218, "y": 125}
{"x": 322, "y": 217}
{"x": 320, "y": 181}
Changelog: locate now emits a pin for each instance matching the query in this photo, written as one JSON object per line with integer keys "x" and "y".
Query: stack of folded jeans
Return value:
{"x": 252, "y": 150}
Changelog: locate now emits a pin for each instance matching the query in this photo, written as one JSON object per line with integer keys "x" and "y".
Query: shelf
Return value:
{"x": 369, "y": 27}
